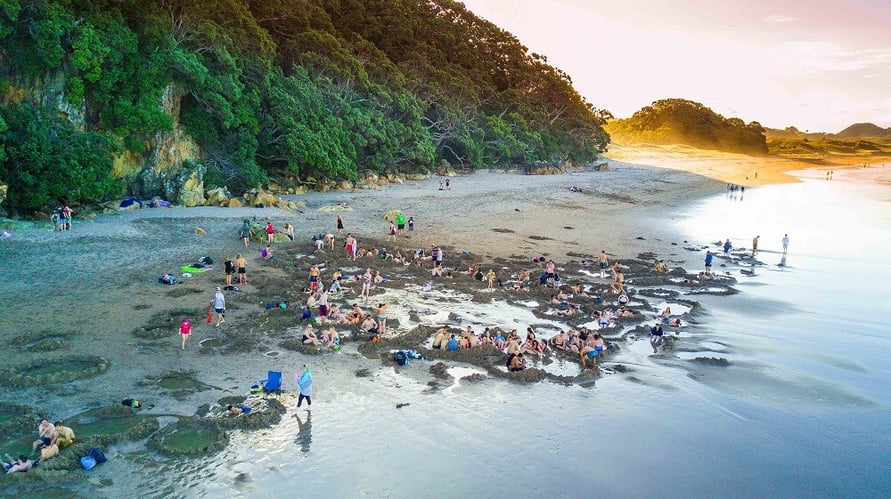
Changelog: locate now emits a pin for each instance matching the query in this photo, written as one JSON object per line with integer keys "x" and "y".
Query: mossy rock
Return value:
{"x": 58, "y": 370}
{"x": 106, "y": 425}
{"x": 16, "y": 419}
{"x": 265, "y": 412}
{"x": 296, "y": 345}
{"x": 189, "y": 436}
{"x": 44, "y": 341}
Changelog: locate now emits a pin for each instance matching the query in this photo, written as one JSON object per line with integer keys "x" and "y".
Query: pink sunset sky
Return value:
{"x": 816, "y": 65}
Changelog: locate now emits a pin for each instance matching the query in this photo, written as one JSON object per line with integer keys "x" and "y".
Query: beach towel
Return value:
{"x": 191, "y": 269}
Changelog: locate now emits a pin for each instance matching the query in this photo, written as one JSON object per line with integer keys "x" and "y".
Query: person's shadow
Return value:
{"x": 304, "y": 432}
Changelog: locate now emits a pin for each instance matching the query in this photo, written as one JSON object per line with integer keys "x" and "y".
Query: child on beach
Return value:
{"x": 185, "y": 330}
{"x": 266, "y": 253}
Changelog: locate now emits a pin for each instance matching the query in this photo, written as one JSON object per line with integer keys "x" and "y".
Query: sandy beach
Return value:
{"x": 92, "y": 290}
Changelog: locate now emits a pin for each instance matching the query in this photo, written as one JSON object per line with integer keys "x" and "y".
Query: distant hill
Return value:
{"x": 864, "y": 130}
{"x": 680, "y": 121}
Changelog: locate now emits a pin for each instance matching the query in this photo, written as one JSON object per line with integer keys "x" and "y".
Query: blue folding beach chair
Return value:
{"x": 273, "y": 382}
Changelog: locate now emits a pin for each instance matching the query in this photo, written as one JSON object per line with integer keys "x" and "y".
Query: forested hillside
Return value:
{"x": 679, "y": 121}
{"x": 97, "y": 93}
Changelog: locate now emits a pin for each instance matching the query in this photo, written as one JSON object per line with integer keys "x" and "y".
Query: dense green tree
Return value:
{"x": 286, "y": 89}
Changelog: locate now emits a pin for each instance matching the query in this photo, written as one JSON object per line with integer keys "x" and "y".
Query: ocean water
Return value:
{"x": 802, "y": 409}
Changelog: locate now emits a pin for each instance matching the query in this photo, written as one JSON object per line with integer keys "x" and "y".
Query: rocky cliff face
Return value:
{"x": 159, "y": 171}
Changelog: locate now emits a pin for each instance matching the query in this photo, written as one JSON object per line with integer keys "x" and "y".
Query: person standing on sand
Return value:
{"x": 241, "y": 267}
{"x": 382, "y": 318}
{"x": 270, "y": 233}
{"x": 755, "y": 245}
{"x": 727, "y": 247}
{"x": 339, "y": 225}
{"x": 304, "y": 381}
{"x": 785, "y": 243}
{"x": 185, "y": 330}
{"x": 219, "y": 306}
{"x": 392, "y": 231}
{"x": 411, "y": 224}
{"x": 603, "y": 262}
{"x": 400, "y": 223}
{"x": 708, "y": 261}
{"x": 230, "y": 269}
{"x": 490, "y": 277}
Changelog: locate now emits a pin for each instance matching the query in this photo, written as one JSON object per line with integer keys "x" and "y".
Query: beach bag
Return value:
{"x": 87, "y": 463}
{"x": 400, "y": 358}
{"x": 167, "y": 279}
{"x": 209, "y": 315}
{"x": 97, "y": 454}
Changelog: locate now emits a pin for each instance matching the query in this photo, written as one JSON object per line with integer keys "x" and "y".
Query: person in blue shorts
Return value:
{"x": 452, "y": 345}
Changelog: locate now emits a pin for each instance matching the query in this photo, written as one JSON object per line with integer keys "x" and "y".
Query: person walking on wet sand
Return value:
{"x": 755, "y": 245}
{"x": 708, "y": 261}
{"x": 219, "y": 306}
{"x": 246, "y": 233}
{"x": 304, "y": 381}
{"x": 185, "y": 330}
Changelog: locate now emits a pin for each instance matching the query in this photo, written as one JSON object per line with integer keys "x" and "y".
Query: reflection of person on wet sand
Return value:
{"x": 304, "y": 432}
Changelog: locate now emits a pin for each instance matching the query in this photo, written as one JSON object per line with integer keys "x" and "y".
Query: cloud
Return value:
{"x": 822, "y": 57}
{"x": 780, "y": 19}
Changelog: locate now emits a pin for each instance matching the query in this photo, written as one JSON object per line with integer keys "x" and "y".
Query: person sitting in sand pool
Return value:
{"x": 660, "y": 266}
{"x": 452, "y": 344}
{"x": 486, "y": 337}
{"x": 517, "y": 363}
{"x": 369, "y": 325}
{"x": 266, "y": 253}
{"x": 22, "y": 465}
{"x": 666, "y": 314}
{"x": 676, "y": 322}
{"x": 64, "y": 435}
{"x": 237, "y": 410}
{"x": 498, "y": 341}
{"x": 464, "y": 342}
{"x": 309, "y": 336}
{"x": 48, "y": 451}
{"x": 569, "y": 311}
{"x": 440, "y": 337}
{"x": 46, "y": 433}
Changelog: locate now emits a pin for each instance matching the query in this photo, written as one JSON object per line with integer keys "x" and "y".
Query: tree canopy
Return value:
{"x": 279, "y": 88}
